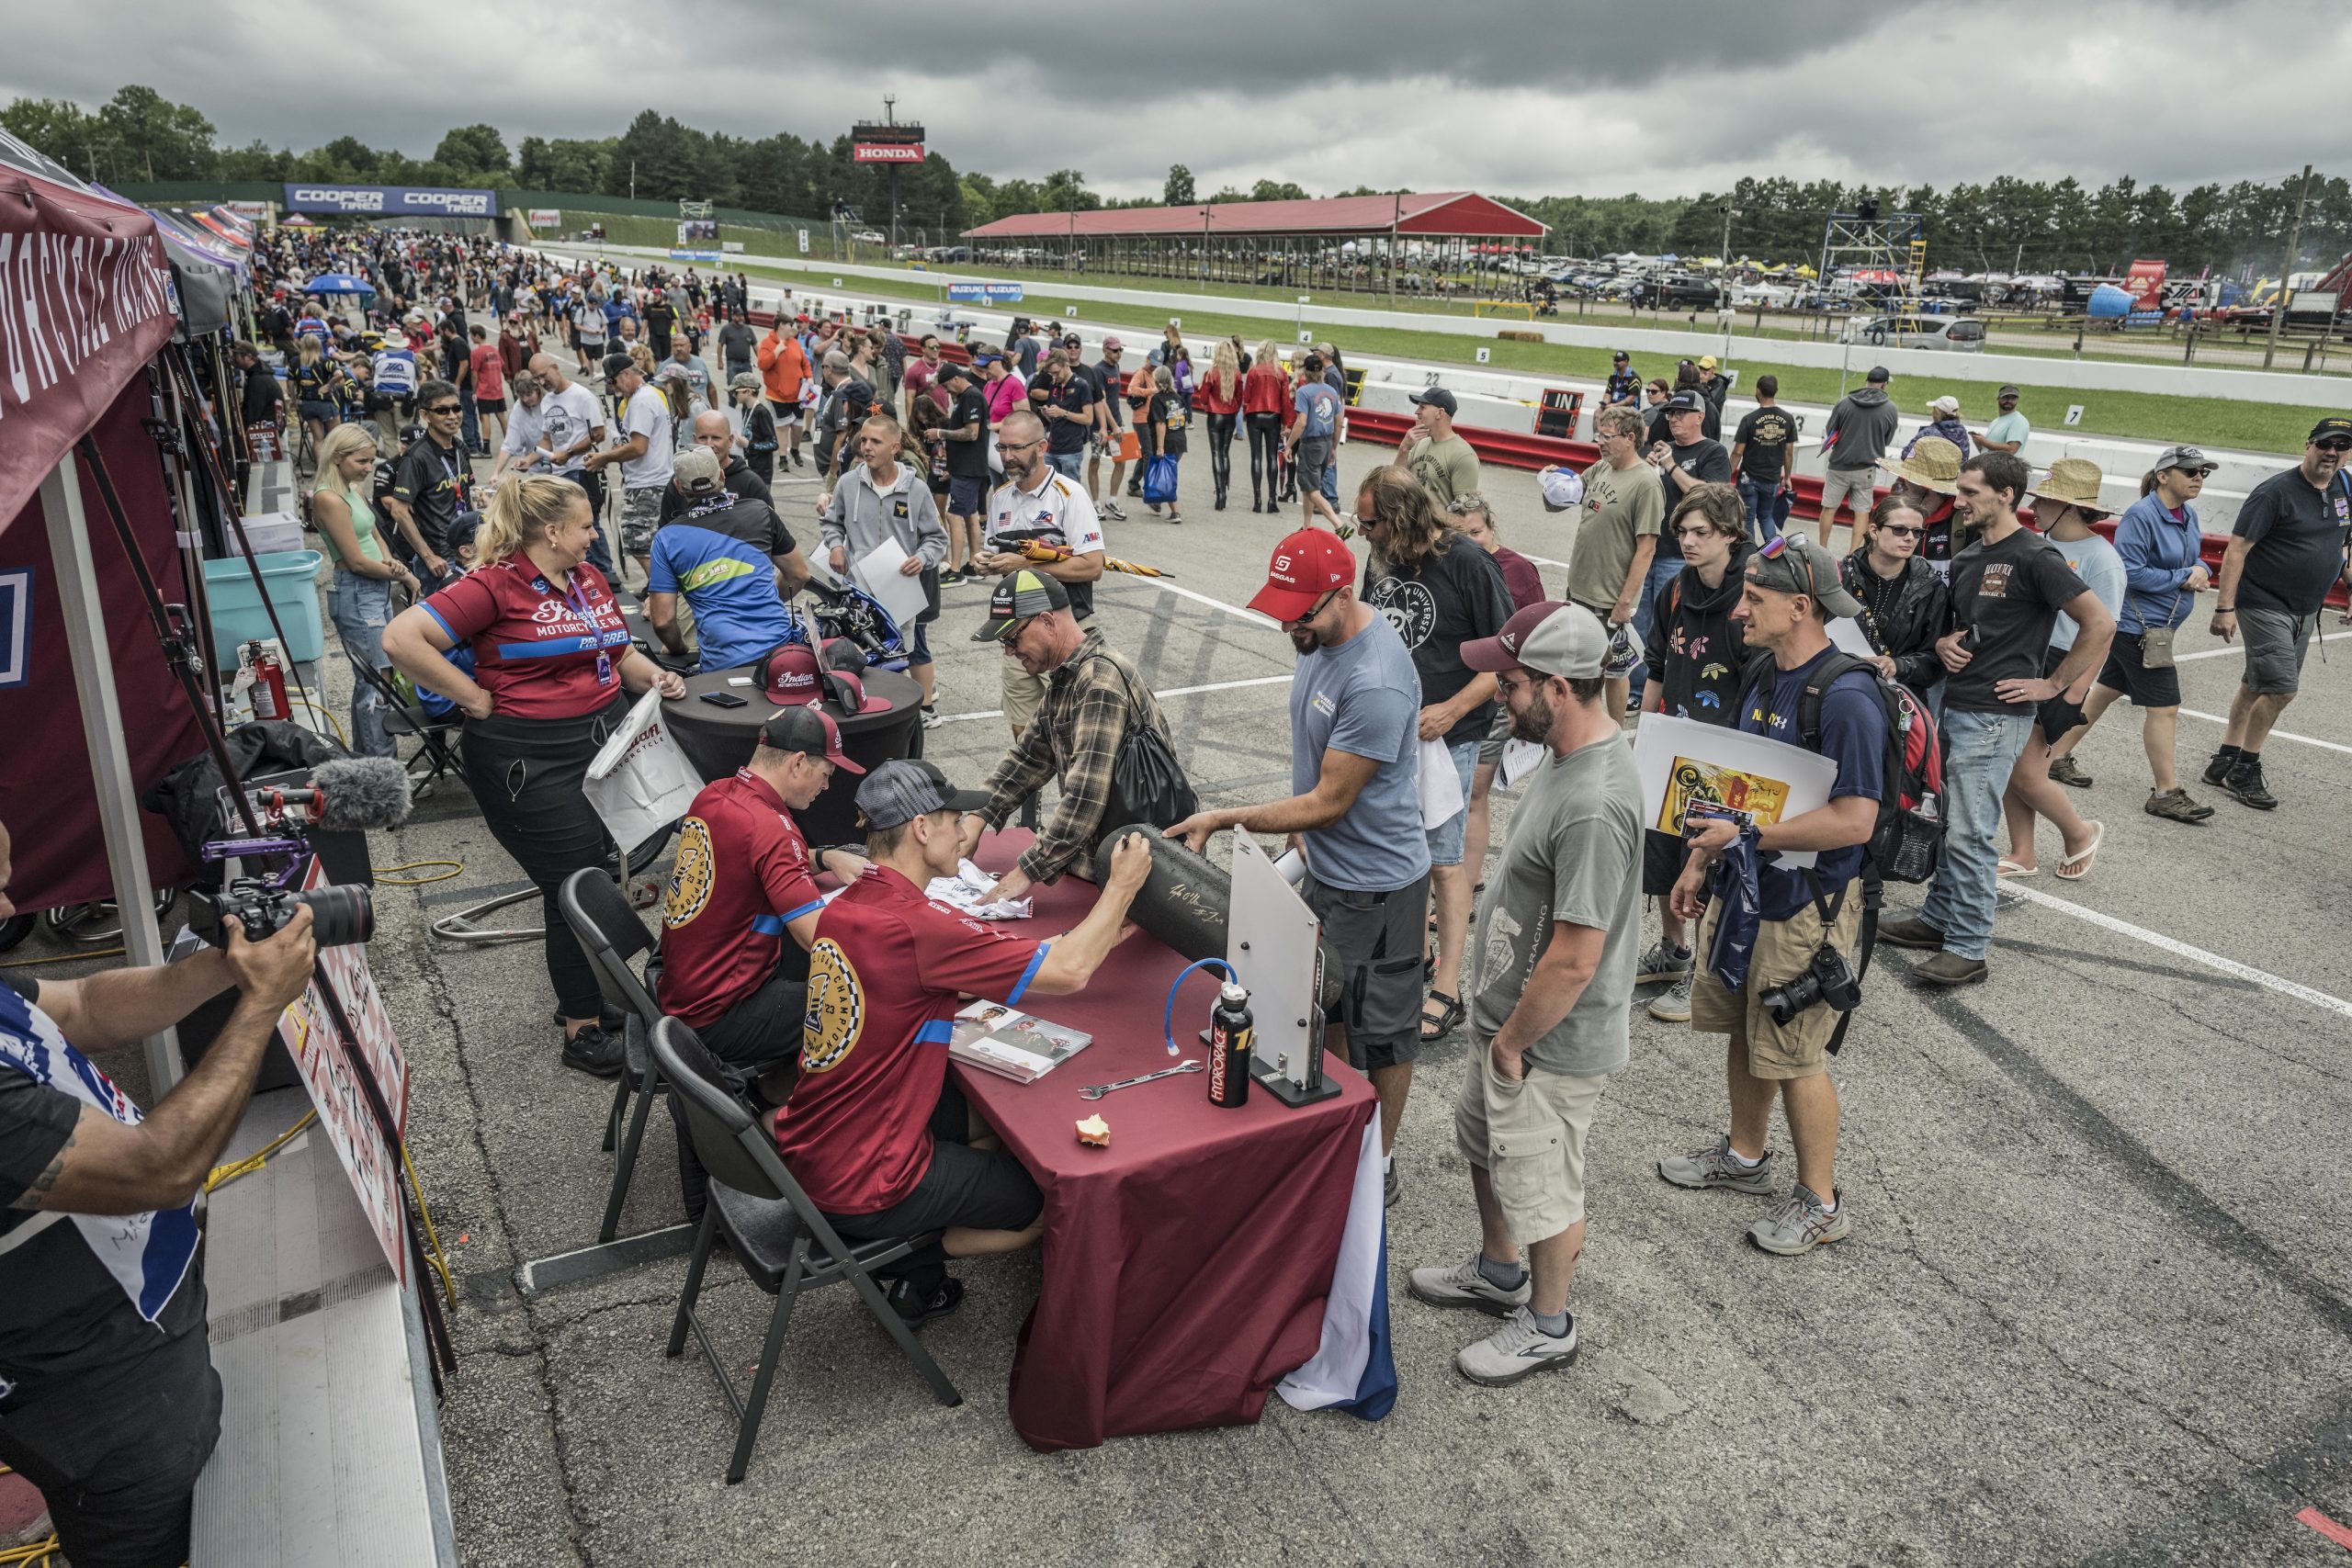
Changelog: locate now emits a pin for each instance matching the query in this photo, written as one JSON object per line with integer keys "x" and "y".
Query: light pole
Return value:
{"x": 2287, "y": 273}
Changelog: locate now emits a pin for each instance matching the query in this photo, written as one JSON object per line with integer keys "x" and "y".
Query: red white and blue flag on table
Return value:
{"x": 1354, "y": 1370}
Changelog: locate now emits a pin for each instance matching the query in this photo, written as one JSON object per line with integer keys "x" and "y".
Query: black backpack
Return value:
{"x": 1907, "y": 840}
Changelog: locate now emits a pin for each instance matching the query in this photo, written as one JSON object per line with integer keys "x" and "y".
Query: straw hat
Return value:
{"x": 2073, "y": 480}
{"x": 1934, "y": 464}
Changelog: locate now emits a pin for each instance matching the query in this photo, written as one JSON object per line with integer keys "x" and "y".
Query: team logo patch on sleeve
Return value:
{"x": 836, "y": 1009}
{"x": 690, "y": 876}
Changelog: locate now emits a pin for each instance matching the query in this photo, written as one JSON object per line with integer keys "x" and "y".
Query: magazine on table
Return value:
{"x": 1011, "y": 1043}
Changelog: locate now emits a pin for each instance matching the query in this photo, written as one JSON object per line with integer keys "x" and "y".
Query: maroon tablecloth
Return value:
{"x": 1186, "y": 1265}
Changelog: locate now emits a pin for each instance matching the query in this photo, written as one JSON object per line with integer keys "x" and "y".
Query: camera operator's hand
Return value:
{"x": 273, "y": 972}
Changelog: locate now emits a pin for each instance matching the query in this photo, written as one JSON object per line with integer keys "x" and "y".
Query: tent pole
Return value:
{"x": 77, "y": 595}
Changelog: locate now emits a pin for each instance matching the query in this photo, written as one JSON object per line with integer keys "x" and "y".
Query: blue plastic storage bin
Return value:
{"x": 292, "y": 579}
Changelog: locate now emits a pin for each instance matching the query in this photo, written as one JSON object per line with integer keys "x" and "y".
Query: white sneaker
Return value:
{"x": 931, "y": 719}
{"x": 1463, "y": 1286}
{"x": 1516, "y": 1350}
{"x": 1673, "y": 1005}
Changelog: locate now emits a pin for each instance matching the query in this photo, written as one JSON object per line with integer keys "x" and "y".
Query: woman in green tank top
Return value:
{"x": 360, "y": 602}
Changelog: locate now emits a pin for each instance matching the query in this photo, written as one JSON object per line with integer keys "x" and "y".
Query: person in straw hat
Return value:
{"x": 2065, "y": 505}
{"x": 1929, "y": 478}
{"x": 2161, "y": 544}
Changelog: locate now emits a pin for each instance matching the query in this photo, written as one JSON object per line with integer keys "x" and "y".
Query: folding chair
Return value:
{"x": 784, "y": 1244}
{"x": 438, "y": 739}
{"x": 600, "y": 916}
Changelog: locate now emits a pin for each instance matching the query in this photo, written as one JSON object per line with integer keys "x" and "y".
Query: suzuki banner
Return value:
{"x": 390, "y": 202}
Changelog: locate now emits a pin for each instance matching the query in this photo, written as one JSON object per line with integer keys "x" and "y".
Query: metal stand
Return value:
{"x": 460, "y": 926}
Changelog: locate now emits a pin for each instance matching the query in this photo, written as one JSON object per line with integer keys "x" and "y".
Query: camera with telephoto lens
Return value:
{"x": 1825, "y": 979}
{"x": 340, "y": 915}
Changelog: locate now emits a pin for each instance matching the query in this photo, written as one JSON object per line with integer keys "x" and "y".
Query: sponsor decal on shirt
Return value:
{"x": 836, "y": 1009}
{"x": 692, "y": 876}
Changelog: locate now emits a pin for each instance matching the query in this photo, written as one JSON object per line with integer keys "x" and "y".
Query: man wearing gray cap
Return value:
{"x": 2009, "y": 433}
{"x": 1803, "y": 914}
{"x": 1445, "y": 464}
{"x": 1551, "y": 999}
{"x": 1859, "y": 427}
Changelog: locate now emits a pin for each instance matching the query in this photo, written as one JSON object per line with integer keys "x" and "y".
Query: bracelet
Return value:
{"x": 2223, "y": 609}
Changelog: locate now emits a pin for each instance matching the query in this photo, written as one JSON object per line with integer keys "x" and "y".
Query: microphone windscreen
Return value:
{"x": 362, "y": 792}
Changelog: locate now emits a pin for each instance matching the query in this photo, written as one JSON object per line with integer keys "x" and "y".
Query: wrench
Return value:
{"x": 1190, "y": 1065}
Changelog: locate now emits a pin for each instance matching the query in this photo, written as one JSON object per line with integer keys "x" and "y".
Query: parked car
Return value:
{"x": 1964, "y": 334}
{"x": 1685, "y": 293}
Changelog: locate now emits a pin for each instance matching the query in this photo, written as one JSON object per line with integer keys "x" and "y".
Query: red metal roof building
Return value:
{"x": 1342, "y": 243}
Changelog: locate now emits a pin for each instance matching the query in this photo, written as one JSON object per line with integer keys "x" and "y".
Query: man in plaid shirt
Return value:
{"x": 1092, "y": 695}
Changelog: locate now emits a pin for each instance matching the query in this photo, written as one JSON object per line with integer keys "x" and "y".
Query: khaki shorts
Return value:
{"x": 1857, "y": 487}
{"x": 1799, "y": 1048}
{"x": 1022, "y": 692}
{"x": 1528, "y": 1138}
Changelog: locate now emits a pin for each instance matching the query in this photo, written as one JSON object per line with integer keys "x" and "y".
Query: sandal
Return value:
{"x": 2012, "y": 868}
{"x": 1447, "y": 1021}
{"x": 2073, "y": 868}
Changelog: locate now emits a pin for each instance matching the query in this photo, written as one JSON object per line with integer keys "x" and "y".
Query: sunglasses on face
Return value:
{"x": 1901, "y": 533}
{"x": 444, "y": 408}
{"x": 2339, "y": 446}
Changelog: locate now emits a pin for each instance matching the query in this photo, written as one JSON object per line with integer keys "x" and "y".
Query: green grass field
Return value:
{"x": 2214, "y": 421}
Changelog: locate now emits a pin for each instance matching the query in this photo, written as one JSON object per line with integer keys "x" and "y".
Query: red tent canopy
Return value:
{"x": 1424, "y": 216}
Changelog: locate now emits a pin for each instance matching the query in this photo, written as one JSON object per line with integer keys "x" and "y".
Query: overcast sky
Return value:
{"x": 1528, "y": 97}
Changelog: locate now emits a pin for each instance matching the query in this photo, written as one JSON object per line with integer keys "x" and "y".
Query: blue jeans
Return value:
{"x": 1447, "y": 838}
{"x": 361, "y": 608}
{"x": 470, "y": 423}
{"x": 1661, "y": 578}
{"x": 1981, "y": 751}
{"x": 1764, "y": 512}
{"x": 1068, "y": 464}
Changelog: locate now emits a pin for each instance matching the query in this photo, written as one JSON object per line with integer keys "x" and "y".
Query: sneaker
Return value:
{"x": 2066, "y": 771}
{"x": 1463, "y": 1286}
{"x": 595, "y": 1053}
{"x": 1516, "y": 1350}
{"x": 1660, "y": 962}
{"x": 949, "y": 577}
{"x": 1801, "y": 1224}
{"x": 1913, "y": 933}
{"x": 1949, "y": 969}
{"x": 2244, "y": 785}
{"x": 1673, "y": 1004}
{"x": 915, "y": 1311}
{"x": 2176, "y": 805}
{"x": 2219, "y": 768}
{"x": 931, "y": 719}
{"x": 1392, "y": 1187}
{"x": 1715, "y": 1167}
{"x": 1114, "y": 511}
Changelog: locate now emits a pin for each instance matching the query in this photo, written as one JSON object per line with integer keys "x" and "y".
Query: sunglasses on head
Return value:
{"x": 1776, "y": 547}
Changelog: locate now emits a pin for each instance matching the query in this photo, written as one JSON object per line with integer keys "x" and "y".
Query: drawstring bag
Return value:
{"x": 1159, "y": 481}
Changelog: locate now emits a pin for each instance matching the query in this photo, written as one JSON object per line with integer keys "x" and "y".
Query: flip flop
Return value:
{"x": 2081, "y": 862}
{"x": 2012, "y": 868}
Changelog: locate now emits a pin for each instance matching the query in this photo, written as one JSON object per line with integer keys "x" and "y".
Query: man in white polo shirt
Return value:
{"x": 1038, "y": 506}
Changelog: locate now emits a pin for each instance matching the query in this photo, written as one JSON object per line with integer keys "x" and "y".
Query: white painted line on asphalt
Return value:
{"x": 1267, "y": 621}
{"x": 2179, "y": 949}
{"x": 2275, "y": 735}
{"x": 1163, "y": 696}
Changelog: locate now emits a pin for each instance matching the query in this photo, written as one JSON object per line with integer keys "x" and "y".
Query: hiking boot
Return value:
{"x": 1715, "y": 1167}
{"x": 1392, "y": 1186}
{"x": 1517, "y": 1350}
{"x": 595, "y": 1053}
{"x": 1949, "y": 969}
{"x": 2219, "y": 768}
{"x": 2066, "y": 771}
{"x": 1801, "y": 1224}
{"x": 1661, "y": 962}
{"x": 1673, "y": 1004}
{"x": 1464, "y": 1286}
{"x": 2174, "y": 805}
{"x": 1913, "y": 933}
{"x": 2244, "y": 785}
{"x": 914, "y": 1310}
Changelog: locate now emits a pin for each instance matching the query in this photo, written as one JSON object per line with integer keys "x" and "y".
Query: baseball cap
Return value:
{"x": 1070, "y": 340}
{"x": 2333, "y": 425}
{"x": 1706, "y": 362}
{"x": 697, "y": 471}
{"x": 2184, "y": 457}
{"x": 2007, "y": 392}
{"x": 1436, "y": 396}
{"x": 670, "y": 370}
{"x": 788, "y": 675}
{"x": 1307, "y": 565}
{"x": 744, "y": 381}
{"x": 809, "y": 730}
{"x": 1549, "y": 637}
{"x": 1800, "y": 566}
{"x": 1018, "y": 596}
{"x": 1945, "y": 404}
{"x": 616, "y": 363}
{"x": 1879, "y": 375}
{"x": 952, "y": 369}
{"x": 1563, "y": 489}
{"x": 1621, "y": 357}
{"x": 1112, "y": 345}
{"x": 1685, "y": 402}
{"x": 901, "y": 790}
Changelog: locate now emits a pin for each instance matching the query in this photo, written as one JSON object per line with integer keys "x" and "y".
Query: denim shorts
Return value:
{"x": 1445, "y": 839}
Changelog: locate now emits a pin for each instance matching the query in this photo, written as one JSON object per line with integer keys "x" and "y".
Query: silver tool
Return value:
{"x": 1190, "y": 1065}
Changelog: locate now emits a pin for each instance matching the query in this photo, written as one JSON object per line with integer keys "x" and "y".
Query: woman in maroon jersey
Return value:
{"x": 551, "y": 658}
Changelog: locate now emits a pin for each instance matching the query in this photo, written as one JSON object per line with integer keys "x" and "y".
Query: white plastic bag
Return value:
{"x": 641, "y": 783}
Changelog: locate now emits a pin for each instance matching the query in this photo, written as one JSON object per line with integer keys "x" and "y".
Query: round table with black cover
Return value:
{"x": 717, "y": 741}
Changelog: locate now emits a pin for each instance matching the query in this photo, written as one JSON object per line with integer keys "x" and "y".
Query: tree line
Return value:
{"x": 2005, "y": 225}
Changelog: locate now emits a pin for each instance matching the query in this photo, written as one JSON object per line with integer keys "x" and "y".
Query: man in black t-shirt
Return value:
{"x": 2009, "y": 588}
{"x": 262, "y": 400}
{"x": 967, "y": 431}
{"x": 660, "y": 316}
{"x": 1065, "y": 401}
{"x": 2287, "y": 550}
{"x": 1759, "y": 456}
{"x": 432, "y": 483}
{"x": 1684, "y": 461}
{"x": 108, "y": 1401}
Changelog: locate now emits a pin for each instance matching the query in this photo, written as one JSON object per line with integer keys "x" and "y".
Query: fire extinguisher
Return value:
{"x": 269, "y": 681}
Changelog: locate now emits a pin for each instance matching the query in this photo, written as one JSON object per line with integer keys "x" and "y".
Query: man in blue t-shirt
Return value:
{"x": 735, "y": 562}
{"x": 1314, "y": 437}
{"x": 1355, "y": 708}
{"x": 1785, "y": 608}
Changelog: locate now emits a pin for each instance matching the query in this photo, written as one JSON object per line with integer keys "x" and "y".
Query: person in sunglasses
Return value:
{"x": 1905, "y": 605}
{"x": 432, "y": 484}
{"x": 2287, "y": 550}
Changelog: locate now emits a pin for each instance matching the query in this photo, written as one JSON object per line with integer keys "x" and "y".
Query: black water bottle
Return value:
{"x": 1230, "y": 1033}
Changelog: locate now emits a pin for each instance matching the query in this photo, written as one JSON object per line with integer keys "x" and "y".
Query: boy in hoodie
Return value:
{"x": 1859, "y": 427}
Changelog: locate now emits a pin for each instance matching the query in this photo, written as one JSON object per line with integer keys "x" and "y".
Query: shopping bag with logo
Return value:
{"x": 641, "y": 783}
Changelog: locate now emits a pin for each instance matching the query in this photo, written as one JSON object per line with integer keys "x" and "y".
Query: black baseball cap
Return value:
{"x": 616, "y": 363}
{"x": 950, "y": 368}
{"x": 1879, "y": 374}
{"x": 1620, "y": 357}
{"x": 2328, "y": 429}
{"x": 1436, "y": 396}
{"x": 1685, "y": 402}
{"x": 1019, "y": 595}
{"x": 899, "y": 790}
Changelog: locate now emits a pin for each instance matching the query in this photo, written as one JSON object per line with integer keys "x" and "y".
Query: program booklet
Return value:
{"x": 1011, "y": 1043}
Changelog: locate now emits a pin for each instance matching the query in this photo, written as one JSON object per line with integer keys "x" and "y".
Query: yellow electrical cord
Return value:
{"x": 432, "y": 1242}
{"x": 35, "y": 1554}
{"x": 456, "y": 868}
{"x": 224, "y": 1174}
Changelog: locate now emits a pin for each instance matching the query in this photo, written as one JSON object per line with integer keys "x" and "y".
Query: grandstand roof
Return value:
{"x": 1426, "y": 215}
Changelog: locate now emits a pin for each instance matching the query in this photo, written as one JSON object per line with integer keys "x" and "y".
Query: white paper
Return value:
{"x": 1660, "y": 739}
{"x": 966, "y": 890}
{"x": 1439, "y": 786}
{"x": 877, "y": 572}
{"x": 1845, "y": 633}
{"x": 1519, "y": 759}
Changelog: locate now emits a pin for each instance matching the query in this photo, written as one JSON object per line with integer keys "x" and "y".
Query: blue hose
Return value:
{"x": 1168, "y": 1014}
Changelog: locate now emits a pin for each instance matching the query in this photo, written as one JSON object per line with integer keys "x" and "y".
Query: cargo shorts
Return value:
{"x": 1527, "y": 1137}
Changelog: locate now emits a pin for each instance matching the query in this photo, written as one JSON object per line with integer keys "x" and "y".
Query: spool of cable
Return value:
{"x": 1184, "y": 903}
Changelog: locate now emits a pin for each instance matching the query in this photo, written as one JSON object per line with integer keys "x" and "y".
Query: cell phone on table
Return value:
{"x": 725, "y": 699}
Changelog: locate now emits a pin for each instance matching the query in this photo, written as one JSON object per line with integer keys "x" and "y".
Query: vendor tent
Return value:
{"x": 208, "y": 275}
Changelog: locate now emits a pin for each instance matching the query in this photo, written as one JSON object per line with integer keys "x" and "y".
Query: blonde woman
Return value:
{"x": 360, "y": 600}
{"x": 1265, "y": 400}
{"x": 1218, "y": 397}
{"x": 552, "y": 663}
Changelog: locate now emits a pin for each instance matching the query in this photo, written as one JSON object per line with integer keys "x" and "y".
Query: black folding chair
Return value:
{"x": 599, "y": 914}
{"x": 784, "y": 1244}
{"x": 437, "y": 738}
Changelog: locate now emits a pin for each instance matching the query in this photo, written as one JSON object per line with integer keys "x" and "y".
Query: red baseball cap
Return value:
{"x": 1307, "y": 565}
{"x": 789, "y": 676}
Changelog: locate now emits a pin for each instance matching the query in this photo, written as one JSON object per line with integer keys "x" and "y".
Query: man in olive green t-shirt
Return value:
{"x": 1617, "y": 537}
{"x": 1443, "y": 463}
